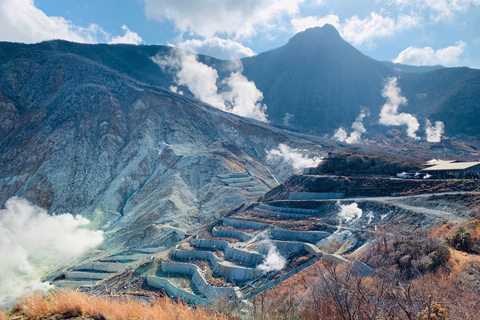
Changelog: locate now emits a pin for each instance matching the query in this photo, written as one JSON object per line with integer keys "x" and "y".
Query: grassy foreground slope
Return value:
{"x": 74, "y": 305}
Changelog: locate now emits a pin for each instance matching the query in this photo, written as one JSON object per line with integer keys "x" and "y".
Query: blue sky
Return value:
{"x": 408, "y": 31}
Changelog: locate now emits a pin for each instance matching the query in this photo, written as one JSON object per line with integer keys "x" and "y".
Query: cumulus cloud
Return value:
{"x": 297, "y": 159}
{"x": 301, "y": 24}
{"x": 129, "y": 37}
{"x": 389, "y": 115}
{"x": 22, "y": 21}
{"x": 33, "y": 242}
{"x": 359, "y": 31}
{"x": 209, "y": 18}
{"x": 448, "y": 56}
{"x": 241, "y": 97}
{"x": 438, "y": 9}
{"x": 218, "y": 48}
{"x": 358, "y": 129}
{"x": 434, "y": 133}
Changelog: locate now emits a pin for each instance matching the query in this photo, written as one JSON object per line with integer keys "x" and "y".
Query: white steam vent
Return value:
{"x": 350, "y": 212}
{"x": 33, "y": 242}
{"x": 274, "y": 260}
{"x": 298, "y": 159}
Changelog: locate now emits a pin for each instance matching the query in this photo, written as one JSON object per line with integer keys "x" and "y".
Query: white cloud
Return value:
{"x": 216, "y": 47}
{"x": 438, "y": 9}
{"x": 301, "y": 24}
{"x": 359, "y": 31}
{"x": 209, "y": 18}
{"x": 241, "y": 96}
{"x": 389, "y": 115}
{"x": 448, "y": 56}
{"x": 297, "y": 159}
{"x": 129, "y": 37}
{"x": 21, "y": 21}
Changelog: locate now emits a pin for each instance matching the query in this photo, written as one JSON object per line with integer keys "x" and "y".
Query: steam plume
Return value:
{"x": 293, "y": 157}
{"x": 33, "y": 242}
{"x": 350, "y": 212}
{"x": 274, "y": 260}
{"x": 358, "y": 129}
{"x": 434, "y": 133}
{"x": 241, "y": 97}
{"x": 389, "y": 115}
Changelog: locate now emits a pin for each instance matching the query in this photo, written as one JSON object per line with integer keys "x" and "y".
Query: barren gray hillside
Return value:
{"x": 78, "y": 136}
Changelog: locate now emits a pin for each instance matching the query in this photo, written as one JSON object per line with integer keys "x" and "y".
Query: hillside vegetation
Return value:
{"x": 349, "y": 163}
{"x": 418, "y": 276}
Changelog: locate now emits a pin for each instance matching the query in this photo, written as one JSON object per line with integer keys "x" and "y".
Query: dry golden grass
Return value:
{"x": 71, "y": 304}
{"x": 2, "y": 316}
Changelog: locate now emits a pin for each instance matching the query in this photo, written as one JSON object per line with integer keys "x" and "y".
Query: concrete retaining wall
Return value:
{"x": 75, "y": 284}
{"x": 233, "y": 175}
{"x": 237, "y": 234}
{"x": 250, "y": 258}
{"x": 174, "y": 291}
{"x": 244, "y": 224}
{"x": 211, "y": 244}
{"x": 243, "y": 184}
{"x": 130, "y": 257}
{"x": 315, "y": 196}
{"x": 102, "y": 266}
{"x": 71, "y": 275}
{"x": 303, "y": 236}
{"x": 285, "y": 209}
{"x": 233, "y": 180}
{"x": 209, "y": 291}
{"x": 285, "y": 248}
{"x": 282, "y": 214}
{"x": 237, "y": 273}
{"x": 312, "y": 249}
{"x": 229, "y": 271}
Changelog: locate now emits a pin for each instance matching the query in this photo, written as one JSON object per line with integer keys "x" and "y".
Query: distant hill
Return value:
{"x": 321, "y": 81}
{"x": 411, "y": 69}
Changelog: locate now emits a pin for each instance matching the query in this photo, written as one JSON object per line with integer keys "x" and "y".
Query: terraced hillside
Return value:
{"x": 263, "y": 244}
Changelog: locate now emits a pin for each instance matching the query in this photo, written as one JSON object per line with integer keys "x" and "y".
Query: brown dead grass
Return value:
{"x": 218, "y": 282}
{"x": 237, "y": 229}
{"x": 207, "y": 235}
{"x": 2, "y": 316}
{"x": 70, "y": 304}
{"x": 441, "y": 231}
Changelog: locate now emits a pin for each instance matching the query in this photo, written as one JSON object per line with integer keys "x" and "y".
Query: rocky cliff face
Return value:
{"x": 78, "y": 136}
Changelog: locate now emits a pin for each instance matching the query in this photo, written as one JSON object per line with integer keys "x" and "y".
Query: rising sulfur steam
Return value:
{"x": 350, "y": 212}
{"x": 358, "y": 129}
{"x": 274, "y": 260}
{"x": 389, "y": 115}
{"x": 241, "y": 97}
{"x": 434, "y": 133}
{"x": 294, "y": 157}
{"x": 33, "y": 242}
